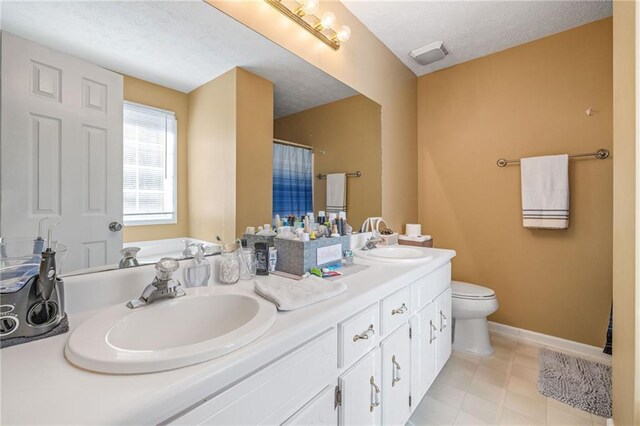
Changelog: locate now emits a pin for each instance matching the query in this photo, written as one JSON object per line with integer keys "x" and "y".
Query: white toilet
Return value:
{"x": 471, "y": 305}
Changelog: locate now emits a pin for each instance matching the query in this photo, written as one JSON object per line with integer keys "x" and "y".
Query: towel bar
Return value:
{"x": 354, "y": 174}
{"x": 600, "y": 154}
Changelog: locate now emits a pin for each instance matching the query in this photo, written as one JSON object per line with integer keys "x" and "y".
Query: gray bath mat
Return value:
{"x": 577, "y": 382}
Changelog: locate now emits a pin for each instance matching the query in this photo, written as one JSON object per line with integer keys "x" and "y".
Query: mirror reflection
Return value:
{"x": 146, "y": 139}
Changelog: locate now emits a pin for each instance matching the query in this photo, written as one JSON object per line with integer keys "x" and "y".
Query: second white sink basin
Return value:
{"x": 395, "y": 254}
{"x": 168, "y": 334}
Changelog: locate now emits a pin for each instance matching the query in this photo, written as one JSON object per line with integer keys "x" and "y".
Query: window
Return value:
{"x": 149, "y": 165}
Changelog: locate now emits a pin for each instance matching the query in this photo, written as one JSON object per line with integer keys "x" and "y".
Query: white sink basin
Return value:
{"x": 169, "y": 334}
{"x": 395, "y": 254}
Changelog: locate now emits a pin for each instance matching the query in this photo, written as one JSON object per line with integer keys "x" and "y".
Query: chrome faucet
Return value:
{"x": 163, "y": 285}
{"x": 371, "y": 243}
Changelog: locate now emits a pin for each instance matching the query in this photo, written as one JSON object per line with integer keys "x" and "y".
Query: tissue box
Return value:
{"x": 298, "y": 257}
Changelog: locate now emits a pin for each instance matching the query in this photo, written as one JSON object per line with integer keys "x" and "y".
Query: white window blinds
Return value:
{"x": 149, "y": 165}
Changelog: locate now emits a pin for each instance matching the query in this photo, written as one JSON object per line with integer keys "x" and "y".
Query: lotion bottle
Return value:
{"x": 198, "y": 272}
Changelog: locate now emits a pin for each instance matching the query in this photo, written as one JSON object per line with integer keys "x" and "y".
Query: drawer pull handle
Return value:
{"x": 443, "y": 321}
{"x": 375, "y": 394}
{"x": 364, "y": 336}
{"x": 433, "y": 328}
{"x": 395, "y": 372}
{"x": 401, "y": 310}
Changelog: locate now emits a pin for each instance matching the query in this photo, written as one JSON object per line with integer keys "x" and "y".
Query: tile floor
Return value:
{"x": 497, "y": 390}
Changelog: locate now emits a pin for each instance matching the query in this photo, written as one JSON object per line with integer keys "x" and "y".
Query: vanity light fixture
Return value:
{"x": 305, "y": 14}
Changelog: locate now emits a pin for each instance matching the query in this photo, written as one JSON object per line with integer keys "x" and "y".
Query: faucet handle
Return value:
{"x": 165, "y": 268}
{"x": 130, "y": 251}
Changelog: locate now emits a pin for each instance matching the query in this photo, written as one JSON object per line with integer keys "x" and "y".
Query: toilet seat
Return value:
{"x": 462, "y": 290}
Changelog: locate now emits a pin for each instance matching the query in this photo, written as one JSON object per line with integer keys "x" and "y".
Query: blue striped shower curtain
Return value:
{"x": 292, "y": 180}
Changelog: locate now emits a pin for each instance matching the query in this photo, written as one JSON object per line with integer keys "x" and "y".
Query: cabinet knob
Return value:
{"x": 399, "y": 311}
{"x": 364, "y": 336}
{"x": 443, "y": 321}
{"x": 395, "y": 372}
{"x": 432, "y": 328}
{"x": 375, "y": 394}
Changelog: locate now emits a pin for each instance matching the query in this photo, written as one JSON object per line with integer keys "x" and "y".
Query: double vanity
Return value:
{"x": 223, "y": 355}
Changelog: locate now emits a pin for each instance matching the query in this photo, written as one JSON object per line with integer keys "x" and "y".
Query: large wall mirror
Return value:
{"x": 162, "y": 124}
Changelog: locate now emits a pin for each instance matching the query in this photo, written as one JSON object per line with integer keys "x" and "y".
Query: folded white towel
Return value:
{"x": 545, "y": 192}
{"x": 336, "y": 192}
{"x": 288, "y": 295}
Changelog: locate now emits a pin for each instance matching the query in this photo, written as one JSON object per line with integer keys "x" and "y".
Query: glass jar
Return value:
{"x": 248, "y": 263}
{"x": 229, "y": 268}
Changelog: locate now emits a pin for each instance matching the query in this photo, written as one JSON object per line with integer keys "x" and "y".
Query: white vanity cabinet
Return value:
{"x": 372, "y": 368}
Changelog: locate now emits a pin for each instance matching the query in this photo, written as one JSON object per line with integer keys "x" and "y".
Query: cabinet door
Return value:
{"x": 416, "y": 332}
{"x": 319, "y": 411}
{"x": 426, "y": 340}
{"x": 361, "y": 392}
{"x": 396, "y": 377}
{"x": 443, "y": 321}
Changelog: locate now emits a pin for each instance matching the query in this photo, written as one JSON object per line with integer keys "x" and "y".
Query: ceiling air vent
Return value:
{"x": 430, "y": 53}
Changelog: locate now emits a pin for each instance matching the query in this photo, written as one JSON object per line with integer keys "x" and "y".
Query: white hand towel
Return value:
{"x": 288, "y": 295}
{"x": 545, "y": 192}
{"x": 336, "y": 192}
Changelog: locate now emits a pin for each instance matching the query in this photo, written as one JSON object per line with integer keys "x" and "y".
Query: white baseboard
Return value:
{"x": 585, "y": 351}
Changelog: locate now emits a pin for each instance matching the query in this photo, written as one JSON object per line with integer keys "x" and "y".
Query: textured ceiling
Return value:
{"x": 177, "y": 44}
{"x": 470, "y": 29}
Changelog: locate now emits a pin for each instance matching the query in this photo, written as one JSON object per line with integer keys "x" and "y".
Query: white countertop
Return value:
{"x": 39, "y": 386}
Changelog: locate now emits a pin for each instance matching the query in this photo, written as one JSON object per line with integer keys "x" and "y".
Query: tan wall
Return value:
{"x": 625, "y": 391}
{"x": 254, "y": 150}
{"x": 346, "y": 137}
{"x": 365, "y": 64}
{"x": 212, "y": 159}
{"x": 525, "y": 101}
{"x": 146, "y": 93}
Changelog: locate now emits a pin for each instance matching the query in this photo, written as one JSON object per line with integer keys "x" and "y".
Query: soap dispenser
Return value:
{"x": 198, "y": 272}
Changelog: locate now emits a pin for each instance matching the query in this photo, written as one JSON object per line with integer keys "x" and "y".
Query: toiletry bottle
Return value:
{"x": 262, "y": 258}
{"x": 198, "y": 272}
{"x": 273, "y": 259}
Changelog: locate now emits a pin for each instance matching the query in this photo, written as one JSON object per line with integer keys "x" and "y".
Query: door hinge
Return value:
{"x": 410, "y": 333}
{"x": 337, "y": 400}
{"x": 409, "y": 400}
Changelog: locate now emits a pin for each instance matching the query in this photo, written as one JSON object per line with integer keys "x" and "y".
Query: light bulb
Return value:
{"x": 327, "y": 20}
{"x": 310, "y": 6}
{"x": 343, "y": 33}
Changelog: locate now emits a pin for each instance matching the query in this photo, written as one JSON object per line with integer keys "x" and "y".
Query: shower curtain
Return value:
{"x": 292, "y": 180}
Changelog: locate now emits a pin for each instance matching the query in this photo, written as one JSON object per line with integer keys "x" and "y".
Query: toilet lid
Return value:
{"x": 471, "y": 291}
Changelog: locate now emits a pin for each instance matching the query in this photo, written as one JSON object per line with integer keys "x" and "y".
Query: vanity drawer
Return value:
{"x": 425, "y": 289}
{"x": 395, "y": 310}
{"x": 358, "y": 335}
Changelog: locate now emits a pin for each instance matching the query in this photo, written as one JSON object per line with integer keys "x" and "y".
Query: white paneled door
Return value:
{"x": 61, "y": 150}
